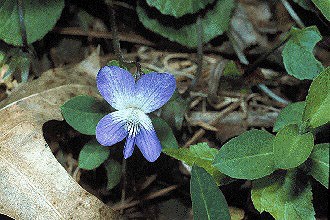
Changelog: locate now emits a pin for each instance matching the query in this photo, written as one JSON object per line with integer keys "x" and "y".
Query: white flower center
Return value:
{"x": 134, "y": 119}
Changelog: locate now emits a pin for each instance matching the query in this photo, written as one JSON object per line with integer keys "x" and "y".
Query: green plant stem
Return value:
{"x": 254, "y": 65}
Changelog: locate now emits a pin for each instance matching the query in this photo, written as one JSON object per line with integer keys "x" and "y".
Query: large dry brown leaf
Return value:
{"x": 33, "y": 185}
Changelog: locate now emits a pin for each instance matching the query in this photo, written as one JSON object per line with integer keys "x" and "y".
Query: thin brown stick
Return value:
{"x": 200, "y": 133}
{"x": 148, "y": 197}
{"x": 76, "y": 31}
{"x": 214, "y": 79}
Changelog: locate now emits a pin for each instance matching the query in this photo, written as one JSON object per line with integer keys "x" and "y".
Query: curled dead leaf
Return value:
{"x": 33, "y": 185}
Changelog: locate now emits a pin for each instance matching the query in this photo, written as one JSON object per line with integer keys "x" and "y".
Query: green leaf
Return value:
{"x": 298, "y": 57}
{"x": 113, "y": 63}
{"x": 113, "y": 170}
{"x": 174, "y": 110}
{"x": 324, "y": 7}
{"x": 39, "y": 18}
{"x": 231, "y": 69}
{"x": 84, "y": 112}
{"x": 92, "y": 155}
{"x": 214, "y": 23}
{"x": 164, "y": 133}
{"x": 248, "y": 156}
{"x": 318, "y": 100}
{"x": 208, "y": 202}
{"x": 116, "y": 63}
{"x": 284, "y": 196}
{"x": 201, "y": 155}
{"x": 291, "y": 114}
{"x": 291, "y": 148}
{"x": 179, "y": 8}
{"x": 318, "y": 163}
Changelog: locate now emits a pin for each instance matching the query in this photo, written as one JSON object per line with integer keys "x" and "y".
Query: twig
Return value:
{"x": 254, "y": 65}
{"x": 292, "y": 13}
{"x": 271, "y": 94}
{"x": 214, "y": 79}
{"x": 200, "y": 133}
{"x": 237, "y": 48}
{"x": 76, "y": 31}
{"x": 124, "y": 5}
{"x": 204, "y": 125}
{"x": 253, "y": 119}
{"x": 150, "y": 196}
{"x": 148, "y": 181}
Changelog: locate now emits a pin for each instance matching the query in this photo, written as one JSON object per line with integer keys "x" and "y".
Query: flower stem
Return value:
{"x": 114, "y": 31}
{"x": 123, "y": 189}
{"x": 116, "y": 43}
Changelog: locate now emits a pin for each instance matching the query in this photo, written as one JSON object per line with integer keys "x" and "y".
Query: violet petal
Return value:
{"x": 116, "y": 85}
{"x": 148, "y": 143}
{"x": 129, "y": 146}
{"x": 153, "y": 90}
{"x": 110, "y": 130}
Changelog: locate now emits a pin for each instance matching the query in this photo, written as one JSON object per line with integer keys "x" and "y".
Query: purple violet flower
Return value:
{"x": 133, "y": 100}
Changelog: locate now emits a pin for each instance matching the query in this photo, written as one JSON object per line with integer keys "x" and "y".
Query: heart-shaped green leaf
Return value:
{"x": 215, "y": 22}
{"x": 84, "y": 112}
{"x": 92, "y": 155}
{"x": 298, "y": 57}
{"x": 174, "y": 110}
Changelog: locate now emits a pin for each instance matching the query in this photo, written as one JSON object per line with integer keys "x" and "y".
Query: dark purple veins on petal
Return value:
{"x": 149, "y": 145}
